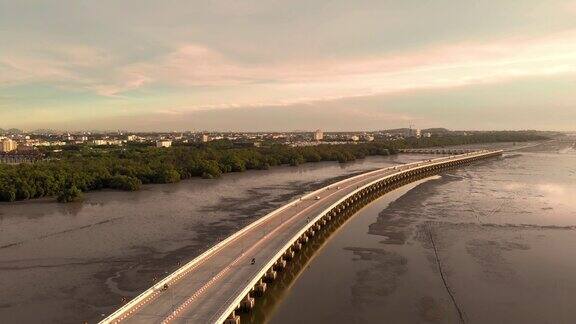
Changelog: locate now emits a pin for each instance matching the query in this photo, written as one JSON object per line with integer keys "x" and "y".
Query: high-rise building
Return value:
{"x": 318, "y": 135}
{"x": 8, "y": 145}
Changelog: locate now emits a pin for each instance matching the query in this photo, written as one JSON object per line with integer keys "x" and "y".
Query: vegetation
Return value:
{"x": 78, "y": 169}
{"x": 473, "y": 138}
{"x": 70, "y": 194}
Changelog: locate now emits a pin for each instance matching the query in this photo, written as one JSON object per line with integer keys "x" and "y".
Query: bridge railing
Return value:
{"x": 135, "y": 303}
{"x": 119, "y": 314}
{"x": 231, "y": 303}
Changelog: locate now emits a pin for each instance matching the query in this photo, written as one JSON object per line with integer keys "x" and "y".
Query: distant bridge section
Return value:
{"x": 436, "y": 151}
{"x": 228, "y": 277}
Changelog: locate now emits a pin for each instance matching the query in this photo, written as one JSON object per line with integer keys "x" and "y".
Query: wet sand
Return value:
{"x": 489, "y": 243}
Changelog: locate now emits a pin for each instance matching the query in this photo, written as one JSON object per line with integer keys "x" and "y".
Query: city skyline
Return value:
{"x": 277, "y": 66}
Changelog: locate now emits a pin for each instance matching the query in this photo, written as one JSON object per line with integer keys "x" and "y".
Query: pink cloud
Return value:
{"x": 235, "y": 83}
{"x": 193, "y": 64}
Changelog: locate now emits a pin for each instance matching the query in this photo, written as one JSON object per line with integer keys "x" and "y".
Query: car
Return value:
{"x": 317, "y": 198}
{"x": 338, "y": 188}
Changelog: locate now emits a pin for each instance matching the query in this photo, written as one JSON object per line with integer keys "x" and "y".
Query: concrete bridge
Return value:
{"x": 436, "y": 151}
{"x": 225, "y": 279}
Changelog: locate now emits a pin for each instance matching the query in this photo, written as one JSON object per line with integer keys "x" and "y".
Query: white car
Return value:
{"x": 317, "y": 198}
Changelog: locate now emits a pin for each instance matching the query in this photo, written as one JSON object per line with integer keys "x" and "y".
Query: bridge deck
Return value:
{"x": 206, "y": 289}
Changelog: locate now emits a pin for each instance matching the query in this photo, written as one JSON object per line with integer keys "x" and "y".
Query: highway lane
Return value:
{"x": 200, "y": 295}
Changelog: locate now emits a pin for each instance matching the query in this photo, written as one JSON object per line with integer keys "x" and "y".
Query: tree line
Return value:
{"x": 77, "y": 169}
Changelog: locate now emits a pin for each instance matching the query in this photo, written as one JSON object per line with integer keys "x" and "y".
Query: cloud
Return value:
{"x": 50, "y": 64}
{"x": 233, "y": 83}
{"x": 205, "y": 78}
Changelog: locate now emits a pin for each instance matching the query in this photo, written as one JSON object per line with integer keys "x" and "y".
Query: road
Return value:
{"x": 201, "y": 290}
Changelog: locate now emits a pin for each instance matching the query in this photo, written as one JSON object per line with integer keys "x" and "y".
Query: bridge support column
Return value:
{"x": 271, "y": 275}
{"x": 297, "y": 246}
{"x": 280, "y": 265}
{"x": 232, "y": 319}
{"x": 247, "y": 303}
{"x": 289, "y": 254}
{"x": 260, "y": 288}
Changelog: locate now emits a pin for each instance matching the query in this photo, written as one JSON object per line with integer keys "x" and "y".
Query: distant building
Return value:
{"x": 131, "y": 138}
{"x": 106, "y": 142}
{"x": 428, "y": 135}
{"x": 355, "y": 138}
{"x": 318, "y": 135}
{"x": 163, "y": 143}
{"x": 20, "y": 156}
{"x": 8, "y": 145}
{"x": 418, "y": 133}
{"x": 205, "y": 138}
{"x": 115, "y": 142}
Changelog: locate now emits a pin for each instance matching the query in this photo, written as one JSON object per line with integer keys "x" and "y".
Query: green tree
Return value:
{"x": 70, "y": 194}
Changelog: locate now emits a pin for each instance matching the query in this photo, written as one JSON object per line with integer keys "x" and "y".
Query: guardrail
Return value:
{"x": 150, "y": 293}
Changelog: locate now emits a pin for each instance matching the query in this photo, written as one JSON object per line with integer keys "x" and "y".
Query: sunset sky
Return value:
{"x": 287, "y": 65}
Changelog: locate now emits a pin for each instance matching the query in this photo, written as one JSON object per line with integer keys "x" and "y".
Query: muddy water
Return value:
{"x": 72, "y": 263}
{"x": 489, "y": 243}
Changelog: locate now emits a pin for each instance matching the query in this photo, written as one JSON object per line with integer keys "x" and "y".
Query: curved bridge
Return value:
{"x": 213, "y": 287}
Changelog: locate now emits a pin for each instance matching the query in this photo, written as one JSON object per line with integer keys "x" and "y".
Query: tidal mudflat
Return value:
{"x": 489, "y": 243}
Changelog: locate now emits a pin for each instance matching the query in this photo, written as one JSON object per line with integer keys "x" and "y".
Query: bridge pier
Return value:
{"x": 289, "y": 254}
{"x": 280, "y": 265}
{"x": 260, "y": 288}
{"x": 247, "y": 303}
{"x": 232, "y": 319}
{"x": 297, "y": 246}
{"x": 271, "y": 275}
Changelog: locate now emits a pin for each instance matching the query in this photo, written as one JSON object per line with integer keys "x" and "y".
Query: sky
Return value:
{"x": 247, "y": 65}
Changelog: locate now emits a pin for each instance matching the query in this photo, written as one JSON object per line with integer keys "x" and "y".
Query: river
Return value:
{"x": 71, "y": 263}
{"x": 492, "y": 242}
{"x": 489, "y": 242}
